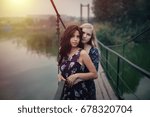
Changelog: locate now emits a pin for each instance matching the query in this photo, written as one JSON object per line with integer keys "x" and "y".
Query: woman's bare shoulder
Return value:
{"x": 83, "y": 52}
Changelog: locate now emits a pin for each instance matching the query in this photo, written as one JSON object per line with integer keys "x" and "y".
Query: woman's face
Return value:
{"x": 87, "y": 34}
{"x": 75, "y": 39}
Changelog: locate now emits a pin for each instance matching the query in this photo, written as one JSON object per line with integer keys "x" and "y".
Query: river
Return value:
{"x": 26, "y": 73}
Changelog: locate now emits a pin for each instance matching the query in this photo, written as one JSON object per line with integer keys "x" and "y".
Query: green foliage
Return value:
{"x": 106, "y": 36}
{"x": 24, "y": 26}
{"x": 107, "y": 10}
{"x": 118, "y": 10}
{"x": 114, "y": 34}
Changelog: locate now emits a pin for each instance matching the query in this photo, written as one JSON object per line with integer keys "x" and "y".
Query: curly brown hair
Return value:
{"x": 65, "y": 46}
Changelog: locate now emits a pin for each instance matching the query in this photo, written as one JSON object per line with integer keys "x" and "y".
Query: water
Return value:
{"x": 142, "y": 90}
{"x": 26, "y": 73}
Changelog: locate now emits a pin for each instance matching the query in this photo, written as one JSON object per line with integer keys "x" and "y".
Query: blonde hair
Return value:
{"x": 93, "y": 38}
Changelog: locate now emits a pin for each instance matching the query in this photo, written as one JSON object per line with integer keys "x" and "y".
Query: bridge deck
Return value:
{"x": 104, "y": 90}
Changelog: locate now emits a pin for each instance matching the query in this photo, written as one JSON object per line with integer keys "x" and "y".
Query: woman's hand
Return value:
{"x": 71, "y": 79}
{"x": 78, "y": 80}
{"x": 60, "y": 78}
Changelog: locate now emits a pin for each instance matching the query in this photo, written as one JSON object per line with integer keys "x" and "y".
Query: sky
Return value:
{"x": 21, "y": 8}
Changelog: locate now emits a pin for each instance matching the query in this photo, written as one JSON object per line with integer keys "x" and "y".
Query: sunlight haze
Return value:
{"x": 19, "y": 8}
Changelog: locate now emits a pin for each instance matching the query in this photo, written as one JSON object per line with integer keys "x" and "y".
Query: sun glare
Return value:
{"x": 16, "y": 7}
{"x": 18, "y": 2}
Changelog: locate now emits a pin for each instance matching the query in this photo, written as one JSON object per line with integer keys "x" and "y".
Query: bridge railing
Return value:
{"x": 121, "y": 72}
{"x": 59, "y": 90}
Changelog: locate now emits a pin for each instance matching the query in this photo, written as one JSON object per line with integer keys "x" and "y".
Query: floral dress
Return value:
{"x": 68, "y": 67}
{"x": 84, "y": 90}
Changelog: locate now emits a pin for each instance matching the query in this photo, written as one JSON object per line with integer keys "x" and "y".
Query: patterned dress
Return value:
{"x": 68, "y": 67}
{"x": 84, "y": 90}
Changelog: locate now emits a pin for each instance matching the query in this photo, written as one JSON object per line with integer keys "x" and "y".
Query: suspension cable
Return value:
{"x": 57, "y": 13}
{"x": 58, "y": 19}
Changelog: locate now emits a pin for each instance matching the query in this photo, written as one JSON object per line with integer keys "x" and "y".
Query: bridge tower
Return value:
{"x": 88, "y": 12}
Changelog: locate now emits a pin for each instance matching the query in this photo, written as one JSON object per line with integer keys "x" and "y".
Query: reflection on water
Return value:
{"x": 42, "y": 44}
{"x": 142, "y": 90}
{"x": 28, "y": 70}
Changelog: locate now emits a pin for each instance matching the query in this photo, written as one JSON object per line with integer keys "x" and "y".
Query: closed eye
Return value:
{"x": 88, "y": 34}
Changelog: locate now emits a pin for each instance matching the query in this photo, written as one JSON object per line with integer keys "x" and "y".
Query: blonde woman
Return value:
{"x": 89, "y": 41}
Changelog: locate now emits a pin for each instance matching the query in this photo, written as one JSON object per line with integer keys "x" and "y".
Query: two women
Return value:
{"x": 75, "y": 64}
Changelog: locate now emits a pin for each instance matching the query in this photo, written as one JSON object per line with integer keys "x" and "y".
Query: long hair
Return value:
{"x": 93, "y": 41}
{"x": 65, "y": 46}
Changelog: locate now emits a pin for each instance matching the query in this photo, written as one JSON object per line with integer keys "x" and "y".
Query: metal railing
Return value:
{"x": 114, "y": 70}
{"x": 60, "y": 83}
{"x": 59, "y": 90}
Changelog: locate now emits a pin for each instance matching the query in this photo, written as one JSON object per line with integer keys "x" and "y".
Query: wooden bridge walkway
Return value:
{"x": 104, "y": 90}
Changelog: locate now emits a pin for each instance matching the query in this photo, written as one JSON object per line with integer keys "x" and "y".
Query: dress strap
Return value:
{"x": 76, "y": 56}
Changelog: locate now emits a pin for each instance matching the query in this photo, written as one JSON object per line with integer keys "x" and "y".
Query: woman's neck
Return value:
{"x": 74, "y": 49}
{"x": 87, "y": 47}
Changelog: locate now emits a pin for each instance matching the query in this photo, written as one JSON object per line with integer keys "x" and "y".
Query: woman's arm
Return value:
{"x": 95, "y": 57}
{"x": 92, "y": 74}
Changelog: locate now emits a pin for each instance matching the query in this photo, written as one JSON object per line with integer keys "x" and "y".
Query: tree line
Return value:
{"x": 119, "y": 10}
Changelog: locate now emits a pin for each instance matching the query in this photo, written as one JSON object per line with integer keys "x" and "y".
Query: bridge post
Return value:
{"x": 81, "y": 13}
{"x": 58, "y": 36}
{"x": 57, "y": 27}
{"x": 106, "y": 60}
{"x": 118, "y": 72}
{"x": 88, "y": 12}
